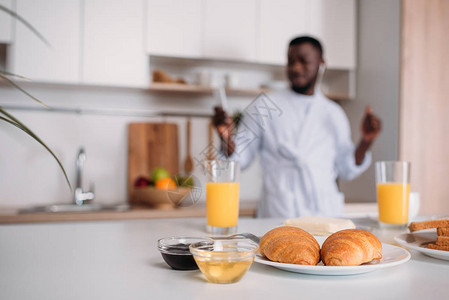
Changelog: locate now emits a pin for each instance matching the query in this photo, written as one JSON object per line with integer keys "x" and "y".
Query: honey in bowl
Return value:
{"x": 224, "y": 261}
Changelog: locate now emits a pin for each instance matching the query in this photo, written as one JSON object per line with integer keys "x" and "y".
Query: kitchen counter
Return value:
{"x": 11, "y": 216}
{"x": 120, "y": 260}
{"x": 247, "y": 209}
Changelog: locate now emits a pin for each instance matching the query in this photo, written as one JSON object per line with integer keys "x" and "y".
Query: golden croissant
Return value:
{"x": 350, "y": 247}
{"x": 292, "y": 245}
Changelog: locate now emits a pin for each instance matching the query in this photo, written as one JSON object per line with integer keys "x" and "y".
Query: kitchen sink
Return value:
{"x": 71, "y": 207}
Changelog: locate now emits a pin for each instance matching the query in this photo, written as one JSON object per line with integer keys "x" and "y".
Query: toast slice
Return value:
{"x": 442, "y": 241}
{"x": 443, "y": 231}
{"x": 437, "y": 247}
{"x": 415, "y": 226}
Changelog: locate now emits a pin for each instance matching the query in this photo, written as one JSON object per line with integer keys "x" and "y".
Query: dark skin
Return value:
{"x": 303, "y": 64}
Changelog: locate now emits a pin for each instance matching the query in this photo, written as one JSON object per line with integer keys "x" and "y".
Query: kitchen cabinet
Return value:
{"x": 113, "y": 43}
{"x": 5, "y": 23}
{"x": 334, "y": 23}
{"x": 174, "y": 27}
{"x": 279, "y": 22}
{"x": 202, "y": 29}
{"x": 59, "y": 22}
{"x": 230, "y": 29}
{"x": 251, "y": 30}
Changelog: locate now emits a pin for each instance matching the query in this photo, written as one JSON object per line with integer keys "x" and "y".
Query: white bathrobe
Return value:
{"x": 304, "y": 144}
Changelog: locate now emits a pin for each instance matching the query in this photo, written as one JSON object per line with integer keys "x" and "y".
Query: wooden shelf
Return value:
{"x": 186, "y": 88}
{"x": 168, "y": 88}
{"x": 179, "y": 88}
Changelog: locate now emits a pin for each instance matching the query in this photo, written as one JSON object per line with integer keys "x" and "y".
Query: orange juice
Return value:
{"x": 222, "y": 203}
{"x": 392, "y": 201}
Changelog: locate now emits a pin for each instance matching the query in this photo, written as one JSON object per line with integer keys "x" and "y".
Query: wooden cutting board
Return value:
{"x": 151, "y": 145}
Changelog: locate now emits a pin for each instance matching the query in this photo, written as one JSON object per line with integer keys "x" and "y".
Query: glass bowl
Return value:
{"x": 224, "y": 261}
{"x": 176, "y": 253}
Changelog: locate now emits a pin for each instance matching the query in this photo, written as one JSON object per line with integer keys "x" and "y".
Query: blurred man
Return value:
{"x": 305, "y": 149}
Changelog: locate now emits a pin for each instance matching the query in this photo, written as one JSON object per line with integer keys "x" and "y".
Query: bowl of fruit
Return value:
{"x": 161, "y": 190}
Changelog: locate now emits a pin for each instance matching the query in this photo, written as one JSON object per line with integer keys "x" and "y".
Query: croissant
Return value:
{"x": 287, "y": 244}
{"x": 350, "y": 247}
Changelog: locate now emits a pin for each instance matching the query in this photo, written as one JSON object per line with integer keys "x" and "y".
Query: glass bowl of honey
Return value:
{"x": 224, "y": 261}
{"x": 176, "y": 253}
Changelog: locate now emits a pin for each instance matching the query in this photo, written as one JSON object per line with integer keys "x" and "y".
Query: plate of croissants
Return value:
{"x": 345, "y": 252}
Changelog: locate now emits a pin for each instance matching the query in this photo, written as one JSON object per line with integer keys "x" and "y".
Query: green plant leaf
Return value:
{"x": 28, "y": 25}
{"x": 13, "y": 121}
{"x": 22, "y": 90}
{"x": 4, "y": 75}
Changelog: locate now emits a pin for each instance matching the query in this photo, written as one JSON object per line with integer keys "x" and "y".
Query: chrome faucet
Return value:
{"x": 80, "y": 196}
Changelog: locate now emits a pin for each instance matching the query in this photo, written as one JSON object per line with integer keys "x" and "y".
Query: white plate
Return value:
{"x": 391, "y": 256}
{"x": 418, "y": 241}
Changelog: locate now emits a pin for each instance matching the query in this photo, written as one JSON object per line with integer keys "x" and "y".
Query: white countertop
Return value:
{"x": 120, "y": 260}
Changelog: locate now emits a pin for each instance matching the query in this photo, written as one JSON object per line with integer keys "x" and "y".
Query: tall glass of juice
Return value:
{"x": 393, "y": 189}
{"x": 222, "y": 196}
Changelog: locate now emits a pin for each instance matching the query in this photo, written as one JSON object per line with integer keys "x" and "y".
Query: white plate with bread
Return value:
{"x": 347, "y": 251}
{"x": 419, "y": 240}
{"x": 391, "y": 256}
{"x": 429, "y": 237}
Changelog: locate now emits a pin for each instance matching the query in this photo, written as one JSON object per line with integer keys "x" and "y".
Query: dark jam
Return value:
{"x": 178, "y": 257}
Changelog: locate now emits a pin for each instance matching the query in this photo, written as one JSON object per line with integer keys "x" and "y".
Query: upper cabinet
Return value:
{"x": 59, "y": 23}
{"x": 5, "y": 23}
{"x": 230, "y": 29}
{"x": 174, "y": 27}
{"x": 279, "y": 22}
{"x": 113, "y": 43}
{"x": 106, "y": 42}
{"x": 251, "y": 30}
{"x": 334, "y": 23}
{"x": 212, "y": 29}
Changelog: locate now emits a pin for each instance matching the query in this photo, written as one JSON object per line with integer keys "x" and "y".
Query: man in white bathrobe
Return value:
{"x": 303, "y": 139}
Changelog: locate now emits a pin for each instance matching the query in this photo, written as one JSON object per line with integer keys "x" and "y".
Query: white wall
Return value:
{"x": 30, "y": 176}
{"x": 377, "y": 85}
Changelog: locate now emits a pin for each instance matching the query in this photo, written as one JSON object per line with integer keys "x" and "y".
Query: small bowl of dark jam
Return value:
{"x": 176, "y": 253}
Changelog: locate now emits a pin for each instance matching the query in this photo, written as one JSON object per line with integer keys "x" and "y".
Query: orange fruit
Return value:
{"x": 165, "y": 184}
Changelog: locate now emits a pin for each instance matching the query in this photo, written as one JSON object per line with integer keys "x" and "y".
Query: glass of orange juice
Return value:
{"x": 222, "y": 196}
{"x": 393, "y": 189}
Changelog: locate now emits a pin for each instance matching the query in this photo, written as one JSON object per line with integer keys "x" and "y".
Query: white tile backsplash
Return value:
{"x": 30, "y": 176}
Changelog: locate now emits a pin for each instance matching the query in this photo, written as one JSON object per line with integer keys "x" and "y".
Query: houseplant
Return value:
{"x": 7, "y": 77}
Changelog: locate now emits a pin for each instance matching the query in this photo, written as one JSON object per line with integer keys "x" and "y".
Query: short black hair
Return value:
{"x": 307, "y": 39}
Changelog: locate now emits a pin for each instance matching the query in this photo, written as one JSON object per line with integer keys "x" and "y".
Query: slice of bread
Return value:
{"x": 437, "y": 247}
{"x": 443, "y": 231}
{"x": 442, "y": 241}
{"x": 415, "y": 226}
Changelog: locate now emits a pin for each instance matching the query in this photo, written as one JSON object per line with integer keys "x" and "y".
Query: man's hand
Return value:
{"x": 223, "y": 123}
{"x": 371, "y": 126}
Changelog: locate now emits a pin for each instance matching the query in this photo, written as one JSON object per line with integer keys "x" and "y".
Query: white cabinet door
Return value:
{"x": 334, "y": 23}
{"x": 113, "y": 43}
{"x": 174, "y": 27}
{"x": 279, "y": 22}
{"x": 5, "y": 22}
{"x": 59, "y": 22}
{"x": 230, "y": 29}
